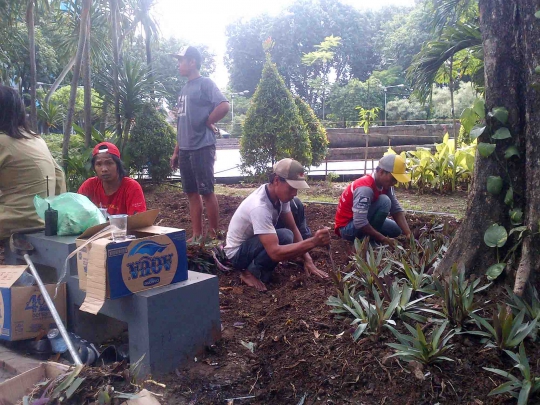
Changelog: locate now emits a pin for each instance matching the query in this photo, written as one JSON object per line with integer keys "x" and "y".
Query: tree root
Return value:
{"x": 524, "y": 269}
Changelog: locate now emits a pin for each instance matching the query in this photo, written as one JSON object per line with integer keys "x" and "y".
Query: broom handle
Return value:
{"x": 54, "y": 312}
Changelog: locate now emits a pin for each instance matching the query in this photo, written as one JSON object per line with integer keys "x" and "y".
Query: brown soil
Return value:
{"x": 303, "y": 354}
{"x": 300, "y": 353}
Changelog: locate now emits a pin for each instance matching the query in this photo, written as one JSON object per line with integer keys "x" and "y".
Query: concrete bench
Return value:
{"x": 168, "y": 325}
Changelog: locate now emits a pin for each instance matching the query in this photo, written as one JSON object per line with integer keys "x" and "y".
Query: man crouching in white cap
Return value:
{"x": 254, "y": 245}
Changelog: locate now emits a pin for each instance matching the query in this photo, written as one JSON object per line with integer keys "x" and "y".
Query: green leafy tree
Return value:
{"x": 401, "y": 35}
{"x": 152, "y": 138}
{"x": 295, "y": 32}
{"x": 323, "y": 56}
{"x": 273, "y": 128}
{"x": 344, "y": 99}
{"x": 61, "y": 98}
{"x": 317, "y": 133}
{"x": 165, "y": 67}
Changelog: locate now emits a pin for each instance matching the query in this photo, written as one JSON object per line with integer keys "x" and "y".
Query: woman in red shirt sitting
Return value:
{"x": 111, "y": 188}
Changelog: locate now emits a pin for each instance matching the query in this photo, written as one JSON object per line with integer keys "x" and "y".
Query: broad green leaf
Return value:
{"x": 500, "y": 114}
{"x": 494, "y": 185}
{"x": 502, "y": 373}
{"x": 495, "y": 236}
{"x": 502, "y": 133}
{"x": 359, "y": 330}
{"x": 510, "y": 151}
{"x": 537, "y": 14}
{"x": 516, "y": 216}
{"x": 486, "y": 149}
{"x": 476, "y": 132}
{"x": 73, "y": 387}
{"x": 518, "y": 229}
{"x": 68, "y": 380}
{"x": 468, "y": 119}
{"x": 524, "y": 393}
{"x": 479, "y": 108}
{"x": 495, "y": 271}
{"x": 537, "y": 69}
{"x": 503, "y": 388}
{"x": 509, "y": 197}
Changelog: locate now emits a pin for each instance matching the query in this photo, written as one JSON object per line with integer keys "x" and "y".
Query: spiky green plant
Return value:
{"x": 505, "y": 332}
{"x": 410, "y": 309}
{"x": 416, "y": 346}
{"x": 458, "y": 297}
{"x": 343, "y": 301}
{"x": 519, "y": 389}
{"x": 531, "y": 304}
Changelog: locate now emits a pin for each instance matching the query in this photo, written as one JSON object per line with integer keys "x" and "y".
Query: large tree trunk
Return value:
{"x": 75, "y": 80}
{"x": 87, "y": 73}
{"x": 32, "y": 51}
{"x": 115, "y": 66}
{"x": 512, "y": 50}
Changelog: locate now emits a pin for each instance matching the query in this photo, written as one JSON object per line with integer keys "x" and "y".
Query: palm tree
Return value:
{"x": 31, "y": 6}
{"x": 87, "y": 75}
{"x": 116, "y": 63}
{"x": 50, "y": 115}
{"x": 135, "y": 90}
{"x": 434, "y": 54}
{"x": 67, "y": 22}
{"x": 86, "y": 5}
{"x": 141, "y": 15}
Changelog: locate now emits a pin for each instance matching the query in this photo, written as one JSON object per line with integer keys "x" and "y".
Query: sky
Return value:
{"x": 204, "y": 21}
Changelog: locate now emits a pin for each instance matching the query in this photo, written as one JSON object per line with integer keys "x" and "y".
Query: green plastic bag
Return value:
{"x": 76, "y": 213}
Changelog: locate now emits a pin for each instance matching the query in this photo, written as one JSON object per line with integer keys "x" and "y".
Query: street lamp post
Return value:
{"x": 385, "y": 88}
{"x": 241, "y": 93}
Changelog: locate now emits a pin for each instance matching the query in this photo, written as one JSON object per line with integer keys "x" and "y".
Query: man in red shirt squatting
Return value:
{"x": 111, "y": 188}
{"x": 365, "y": 204}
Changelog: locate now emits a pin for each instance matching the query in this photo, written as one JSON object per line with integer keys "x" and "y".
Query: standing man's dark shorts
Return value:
{"x": 197, "y": 169}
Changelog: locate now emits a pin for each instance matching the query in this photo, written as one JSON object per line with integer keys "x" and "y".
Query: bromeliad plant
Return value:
{"x": 367, "y": 264}
{"x": 457, "y": 294}
{"x": 505, "y": 332}
{"x": 530, "y": 306}
{"x": 416, "y": 346}
{"x": 379, "y": 314}
{"x": 522, "y": 389}
{"x": 342, "y": 304}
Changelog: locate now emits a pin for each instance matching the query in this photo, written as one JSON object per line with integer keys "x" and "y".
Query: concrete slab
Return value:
{"x": 13, "y": 363}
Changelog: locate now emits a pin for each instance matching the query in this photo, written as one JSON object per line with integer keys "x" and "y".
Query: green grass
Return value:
{"x": 454, "y": 204}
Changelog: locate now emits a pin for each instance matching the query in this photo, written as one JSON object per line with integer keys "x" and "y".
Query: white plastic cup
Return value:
{"x": 119, "y": 227}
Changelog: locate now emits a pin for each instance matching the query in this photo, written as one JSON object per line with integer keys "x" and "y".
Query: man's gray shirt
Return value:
{"x": 362, "y": 200}
{"x": 198, "y": 98}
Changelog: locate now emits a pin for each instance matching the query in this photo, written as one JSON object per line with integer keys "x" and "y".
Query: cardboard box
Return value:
{"x": 157, "y": 257}
{"x": 13, "y": 390}
{"x": 23, "y": 310}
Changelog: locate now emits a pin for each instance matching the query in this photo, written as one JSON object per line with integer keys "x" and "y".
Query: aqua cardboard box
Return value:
{"x": 23, "y": 310}
{"x": 156, "y": 257}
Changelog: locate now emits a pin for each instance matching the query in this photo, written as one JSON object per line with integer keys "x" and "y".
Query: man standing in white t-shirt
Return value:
{"x": 254, "y": 245}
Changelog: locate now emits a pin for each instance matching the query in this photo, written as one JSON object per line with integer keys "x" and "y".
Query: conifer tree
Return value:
{"x": 317, "y": 133}
{"x": 273, "y": 128}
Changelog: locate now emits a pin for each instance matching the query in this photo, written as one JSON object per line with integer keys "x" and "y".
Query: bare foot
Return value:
{"x": 252, "y": 281}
